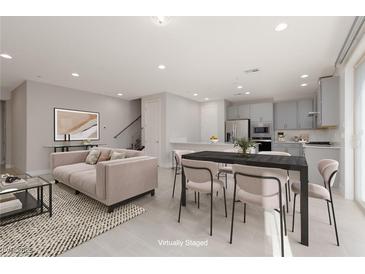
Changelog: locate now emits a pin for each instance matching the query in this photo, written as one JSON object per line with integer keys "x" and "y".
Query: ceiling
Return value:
{"x": 204, "y": 55}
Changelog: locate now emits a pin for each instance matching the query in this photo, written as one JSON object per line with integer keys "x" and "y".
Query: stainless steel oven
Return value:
{"x": 263, "y": 143}
{"x": 261, "y": 129}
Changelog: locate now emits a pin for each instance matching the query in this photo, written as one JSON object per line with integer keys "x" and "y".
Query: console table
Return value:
{"x": 66, "y": 147}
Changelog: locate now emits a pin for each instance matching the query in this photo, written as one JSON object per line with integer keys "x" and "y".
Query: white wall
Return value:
{"x": 33, "y": 121}
{"x": 1, "y": 132}
{"x": 213, "y": 117}
{"x": 19, "y": 127}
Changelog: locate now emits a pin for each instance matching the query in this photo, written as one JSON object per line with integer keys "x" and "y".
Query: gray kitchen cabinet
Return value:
{"x": 328, "y": 102}
{"x": 285, "y": 115}
{"x": 294, "y": 149}
{"x": 244, "y": 111}
{"x": 232, "y": 112}
{"x": 304, "y": 107}
{"x": 261, "y": 112}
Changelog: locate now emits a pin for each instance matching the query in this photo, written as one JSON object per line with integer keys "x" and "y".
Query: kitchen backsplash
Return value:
{"x": 331, "y": 134}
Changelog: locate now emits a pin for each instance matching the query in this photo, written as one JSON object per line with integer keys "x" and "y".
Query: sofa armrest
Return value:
{"x": 119, "y": 180}
{"x": 67, "y": 158}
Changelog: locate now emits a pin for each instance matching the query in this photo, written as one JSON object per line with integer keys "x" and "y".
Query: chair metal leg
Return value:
{"x": 194, "y": 196}
{"x": 211, "y": 214}
{"x": 233, "y": 206}
{"x": 295, "y": 196}
{"x": 198, "y": 199}
{"x": 281, "y": 233}
{"x": 286, "y": 197}
{"x": 178, "y": 220}
{"x": 284, "y": 214}
{"x": 244, "y": 212}
{"x": 334, "y": 222}
{"x": 329, "y": 213}
{"x": 289, "y": 191}
{"x": 225, "y": 202}
{"x": 173, "y": 190}
{"x": 226, "y": 180}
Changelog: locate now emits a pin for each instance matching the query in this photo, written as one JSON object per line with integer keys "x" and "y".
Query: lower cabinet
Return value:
{"x": 292, "y": 148}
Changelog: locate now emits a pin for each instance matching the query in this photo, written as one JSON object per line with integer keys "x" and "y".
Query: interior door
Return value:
{"x": 152, "y": 128}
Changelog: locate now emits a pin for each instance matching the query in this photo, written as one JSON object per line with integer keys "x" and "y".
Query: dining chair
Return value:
{"x": 287, "y": 185}
{"x": 261, "y": 187}
{"x": 177, "y": 156}
{"x": 328, "y": 169}
{"x": 200, "y": 178}
{"x": 226, "y": 168}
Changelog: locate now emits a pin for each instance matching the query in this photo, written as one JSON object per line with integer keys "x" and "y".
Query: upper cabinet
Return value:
{"x": 294, "y": 114}
{"x": 328, "y": 102}
{"x": 232, "y": 112}
{"x": 244, "y": 111}
{"x": 305, "y": 106}
{"x": 262, "y": 112}
{"x": 286, "y": 115}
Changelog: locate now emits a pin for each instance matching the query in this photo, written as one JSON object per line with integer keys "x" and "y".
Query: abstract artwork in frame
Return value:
{"x": 81, "y": 125}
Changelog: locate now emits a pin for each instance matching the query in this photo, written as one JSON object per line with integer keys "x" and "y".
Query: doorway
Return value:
{"x": 152, "y": 128}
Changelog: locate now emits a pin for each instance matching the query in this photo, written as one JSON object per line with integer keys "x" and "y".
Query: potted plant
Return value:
{"x": 244, "y": 143}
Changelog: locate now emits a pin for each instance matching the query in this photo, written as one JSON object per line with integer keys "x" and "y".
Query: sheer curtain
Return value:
{"x": 360, "y": 132}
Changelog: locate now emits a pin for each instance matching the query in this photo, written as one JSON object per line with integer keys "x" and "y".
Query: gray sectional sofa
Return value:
{"x": 110, "y": 182}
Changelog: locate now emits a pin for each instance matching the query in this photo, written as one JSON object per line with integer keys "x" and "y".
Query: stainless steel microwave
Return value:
{"x": 261, "y": 130}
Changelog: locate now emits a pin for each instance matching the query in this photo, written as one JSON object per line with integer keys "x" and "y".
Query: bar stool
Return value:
{"x": 177, "y": 156}
{"x": 287, "y": 185}
{"x": 200, "y": 178}
{"x": 261, "y": 187}
{"x": 328, "y": 169}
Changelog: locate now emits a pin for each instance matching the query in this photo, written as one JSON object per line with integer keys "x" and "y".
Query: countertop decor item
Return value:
{"x": 245, "y": 144}
{"x": 214, "y": 139}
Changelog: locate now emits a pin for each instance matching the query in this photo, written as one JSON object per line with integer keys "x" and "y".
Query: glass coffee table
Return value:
{"x": 31, "y": 195}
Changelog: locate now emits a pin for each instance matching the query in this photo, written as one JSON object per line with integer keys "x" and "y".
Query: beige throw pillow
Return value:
{"x": 92, "y": 157}
{"x": 117, "y": 155}
{"x": 104, "y": 155}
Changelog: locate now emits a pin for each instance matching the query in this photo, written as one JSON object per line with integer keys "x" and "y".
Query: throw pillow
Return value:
{"x": 92, "y": 157}
{"x": 117, "y": 155}
{"x": 104, "y": 155}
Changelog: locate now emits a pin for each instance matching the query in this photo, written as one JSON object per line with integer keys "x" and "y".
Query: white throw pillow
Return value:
{"x": 117, "y": 155}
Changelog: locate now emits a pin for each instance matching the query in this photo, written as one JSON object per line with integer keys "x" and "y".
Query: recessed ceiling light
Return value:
{"x": 161, "y": 66}
{"x": 161, "y": 20}
{"x": 6, "y": 56}
{"x": 74, "y": 74}
{"x": 239, "y": 87}
{"x": 280, "y": 27}
{"x": 206, "y": 98}
{"x": 304, "y": 85}
{"x": 120, "y": 94}
{"x": 195, "y": 94}
{"x": 304, "y": 76}
{"x": 247, "y": 92}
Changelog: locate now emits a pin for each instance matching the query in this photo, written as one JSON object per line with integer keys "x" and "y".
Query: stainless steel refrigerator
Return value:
{"x": 237, "y": 129}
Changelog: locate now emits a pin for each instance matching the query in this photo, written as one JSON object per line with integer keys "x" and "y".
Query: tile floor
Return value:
{"x": 143, "y": 235}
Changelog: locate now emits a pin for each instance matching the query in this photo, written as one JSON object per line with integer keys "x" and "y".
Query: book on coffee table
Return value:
{"x": 15, "y": 184}
{"x": 9, "y": 202}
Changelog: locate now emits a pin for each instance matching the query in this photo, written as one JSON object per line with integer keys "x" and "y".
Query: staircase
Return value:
{"x": 136, "y": 139}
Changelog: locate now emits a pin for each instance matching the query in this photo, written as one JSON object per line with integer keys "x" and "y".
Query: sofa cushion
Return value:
{"x": 117, "y": 155}
{"x": 105, "y": 154}
{"x": 84, "y": 181}
{"x": 63, "y": 173}
{"x": 93, "y": 156}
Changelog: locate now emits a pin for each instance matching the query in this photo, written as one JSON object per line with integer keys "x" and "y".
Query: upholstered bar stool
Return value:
{"x": 200, "y": 176}
{"x": 287, "y": 185}
{"x": 261, "y": 187}
{"x": 177, "y": 156}
{"x": 328, "y": 169}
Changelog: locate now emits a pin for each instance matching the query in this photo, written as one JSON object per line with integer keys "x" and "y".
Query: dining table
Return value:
{"x": 295, "y": 163}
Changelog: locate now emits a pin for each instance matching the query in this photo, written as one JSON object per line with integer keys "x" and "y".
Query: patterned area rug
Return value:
{"x": 76, "y": 219}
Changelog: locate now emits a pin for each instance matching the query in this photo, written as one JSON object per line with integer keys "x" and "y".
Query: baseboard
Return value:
{"x": 38, "y": 172}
